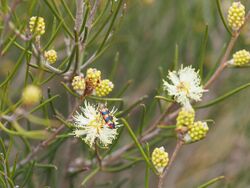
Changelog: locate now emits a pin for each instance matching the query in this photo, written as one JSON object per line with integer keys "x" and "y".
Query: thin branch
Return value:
{"x": 98, "y": 156}
{"x": 231, "y": 44}
{"x": 79, "y": 15}
{"x": 46, "y": 142}
{"x": 173, "y": 157}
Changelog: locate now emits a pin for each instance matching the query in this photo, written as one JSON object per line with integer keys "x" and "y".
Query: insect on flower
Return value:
{"x": 106, "y": 116}
{"x": 90, "y": 125}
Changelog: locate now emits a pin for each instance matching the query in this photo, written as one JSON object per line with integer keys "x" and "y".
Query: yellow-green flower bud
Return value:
{"x": 236, "y": 16}
{"x": 93, "y": 76}
{"x": 196, "y": 132}
{"x": 148, "y": 2}
{"x": 104, "y": 88}
{"x": 31, "y": 95}
{"x": 240, "y": 58}
{"x": 39, "y": 23}
{"x": 160, "y": 159}
{"x": 78, "y": 84}
{"x": 50, "y": 56}
{"x": 185, "y": 117}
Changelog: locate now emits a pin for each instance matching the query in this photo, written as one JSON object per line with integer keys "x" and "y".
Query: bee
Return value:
{"x": 107, "y": 117}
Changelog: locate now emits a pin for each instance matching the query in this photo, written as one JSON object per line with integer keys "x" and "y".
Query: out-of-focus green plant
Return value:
{"x": 58, "y": 124}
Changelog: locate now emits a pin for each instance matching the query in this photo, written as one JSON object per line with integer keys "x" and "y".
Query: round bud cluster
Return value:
{"x": 241, "y": 57}
{"x": 31, "y": 95}
{"x": 160, "y": 159}
{"x": 185, "y": 118}
{"x": 78, "y": 84}
{"x": 92, "y": 84}
{"x": 50, "y": 56}
{"x": 104, "y": 88}
{"x": 39, "y": 24}
{"x": 93, "y": 76}
{"x": 196, "y": 132}
{"x": 236, "y": 15}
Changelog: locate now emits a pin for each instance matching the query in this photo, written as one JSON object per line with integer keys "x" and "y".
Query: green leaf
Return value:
{"x": 8, "y": 45}
{"x": 85, "y": 19}
{"x": 203, "y": 51}
{"x": 218, "y": 3}
{"x": 91, "y": 175}
{"x": 45, "y": 102}
{"x": 99, "y": 31}
{"x": 110, "y": 26}
{"x": 28, "y": 174}
{"x": 66, "y": 7}
{"x": 3, "y": 149}
{"x": 137, "y": 143}
{"x": 142, "y": 119}
{"x": 53, "y": 36}
{"x": 58, "y": 16}
{"x": 166, "y": 126}
{"x": 121, "y": 167}
{"x": 131, "y": 107}
{"x": 65, "y": 122}
{"x": 115, "y": 142}
{"x": 124, "y": 89}
{"x": 51, "y": 102}
{"x": 69, "y": 90}
{"x": 101, "y": 15}
{"x": 14, "y": 166}
{"x": 105, "y": 99}
{"x": 223, "y": 97}
{"x": 164, "y": 98}
{"x": 212, "y": 181}
{"x": 114, "y": 66}
{"x": 147, "y": 172}
{"x": 38, "y": 121}
{"x": 4, "y": 6}
{"x": 176, "y": 57}
{"x": 19, "y": 62}
{"x": 40, "y": 165}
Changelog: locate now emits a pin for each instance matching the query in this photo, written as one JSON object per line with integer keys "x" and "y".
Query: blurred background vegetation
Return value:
{"x": 146, "y": 42}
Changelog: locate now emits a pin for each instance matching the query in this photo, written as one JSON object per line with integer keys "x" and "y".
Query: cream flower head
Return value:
{"x": 91, "y": 126}
{"x": 184, "y": 85}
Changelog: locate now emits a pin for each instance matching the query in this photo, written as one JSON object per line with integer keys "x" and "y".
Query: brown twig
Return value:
{"x": 7, "y": 18}
{"x": 173, "y": 157}
{"x": 46, "y": 142}
{"x": 98, "y": 156}
{"x": 223, "y": 62}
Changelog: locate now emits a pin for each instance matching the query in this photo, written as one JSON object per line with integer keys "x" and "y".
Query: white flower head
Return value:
{"x": 184, "y": 85}
{"x": 91, "y": 126}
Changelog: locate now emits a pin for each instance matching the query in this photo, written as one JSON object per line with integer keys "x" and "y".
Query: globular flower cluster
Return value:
{"x": 190, "y": 130}
{"x": 104, "y": 88}
{"x": 93, "y": 76}
{"x": 160, "y": 159}
{"x": 240, "y": 58}
{"x": 78, "y": 84}
{"x": 236, "y": 16}
{"x": 92, "y": 84}
{"x": 196, "y": 132}
{"x": 185, "y": 118}
{"x": 91, "y": 127}
{"x": 50, "y": 56}
{"x": 37, "y": 25}
{"x": 31, "y": 95}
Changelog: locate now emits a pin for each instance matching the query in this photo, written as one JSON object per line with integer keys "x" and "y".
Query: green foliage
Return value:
{"x": 134, "y": 44}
